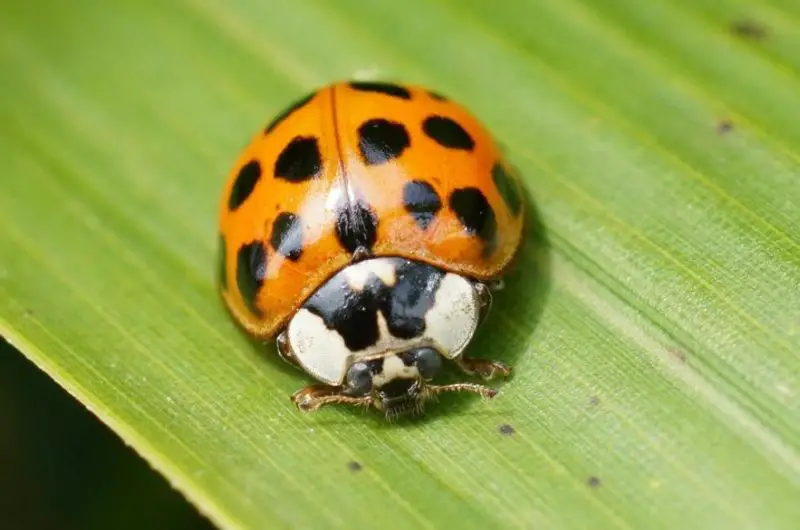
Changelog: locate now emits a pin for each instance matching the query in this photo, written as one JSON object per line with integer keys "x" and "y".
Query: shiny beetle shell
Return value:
{"x": 361, "y": 169}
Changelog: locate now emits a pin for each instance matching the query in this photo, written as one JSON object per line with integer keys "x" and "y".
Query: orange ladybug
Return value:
{"x": 364, "y": 229}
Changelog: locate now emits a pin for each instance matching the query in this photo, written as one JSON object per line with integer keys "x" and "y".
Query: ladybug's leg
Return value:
{"x": 315, "y": 396}
{"x": 484, "y": 391}
{"x": 284, "y": 350}
{"x": 497, "y": 284}
{"x": 486, "y": 368}
{"x": 484, "y": 293}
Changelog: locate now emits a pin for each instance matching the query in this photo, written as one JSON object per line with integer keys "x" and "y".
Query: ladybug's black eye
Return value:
{"x": 428, "y": 362}
{"x": 359, "y": 379}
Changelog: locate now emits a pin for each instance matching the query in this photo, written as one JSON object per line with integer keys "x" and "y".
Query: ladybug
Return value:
{"x": 363, "y": 230}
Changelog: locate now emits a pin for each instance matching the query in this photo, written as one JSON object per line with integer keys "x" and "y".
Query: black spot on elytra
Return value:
{"x": 437, "y": 96}
{"x": 222, "y": 276}
{"x": 593, "y": 482}
{"x": 447, "y": 133}
{"x": 300, "y": 160}
{"x": 749, "y": 29}
{"x": 421, "y": 201}
{"x": 381, "y": 140}
{"x": 354, "y": 466}
{"x": 245, "y": 183}
{"x": 356, "y": 226}
{"x": 474, "y": 213}
{"x": 389, "y": 89}
{"x": 505, "y": 185}
{"x": 287, "y": 236}
{"x": 288, "y": 111}
{"x": 251, "y": 268}
{"x": 506, "y": 429}
{"x": 354, "y": 314}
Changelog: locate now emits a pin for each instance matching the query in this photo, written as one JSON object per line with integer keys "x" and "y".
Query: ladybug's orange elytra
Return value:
{"x": 376, "y": 188}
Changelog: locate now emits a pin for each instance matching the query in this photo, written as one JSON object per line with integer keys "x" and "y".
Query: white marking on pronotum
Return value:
{"x": 358, "y": 274}
{"x": 319, "y": 350}
{"x": 449, "y": 326}
{"x": 454, "y": 317}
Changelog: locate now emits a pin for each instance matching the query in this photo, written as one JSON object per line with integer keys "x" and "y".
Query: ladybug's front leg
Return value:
{"x": 486, "y": 368}
{"x": 313, "y": 397}
{"x": 284, "y": 350}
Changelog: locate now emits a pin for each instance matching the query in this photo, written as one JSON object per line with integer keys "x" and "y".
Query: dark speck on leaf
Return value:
{"x": 749, "y": 29}
{"x": 594, "y": 401}
{"x": 354, "y": 466}
{"x": 678, "y": 354}
{"x": 593, "y": 482}
{"x": 724, "y": 127}
{"x": 506, "y": 429}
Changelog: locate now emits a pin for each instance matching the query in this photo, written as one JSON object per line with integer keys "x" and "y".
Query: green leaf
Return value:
{"x": 653, "y": 320}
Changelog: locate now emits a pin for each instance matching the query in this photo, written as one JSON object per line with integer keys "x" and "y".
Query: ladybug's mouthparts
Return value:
{"x": 406, "y": 407}
{"x": 400, "y": 397}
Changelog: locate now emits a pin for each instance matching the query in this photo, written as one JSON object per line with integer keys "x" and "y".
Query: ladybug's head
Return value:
{"x": 397, "y": 383}
{"x": 378, "y": 332}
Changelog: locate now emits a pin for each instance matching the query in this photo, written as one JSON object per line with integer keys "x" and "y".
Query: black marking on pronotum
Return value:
{"x": 507, "y": 188}
{"x": 287, "y": 235}
{"x": 447, "y": 133}
{"x": 381, "y": 140}
{"x": 251, "y": 268}
{"x": 245, "y": 183}
{"x": 288, "y": 111}
{"x": 421, "y": 201}
{"x": 354, "y": 314}
{"x": 356, "y": 226}
{"x": 388, "y": 89}
{"x": 300, "y": 160}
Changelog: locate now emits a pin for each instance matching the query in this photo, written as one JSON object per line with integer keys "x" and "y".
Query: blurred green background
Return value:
{"x": 62, "y": 469}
